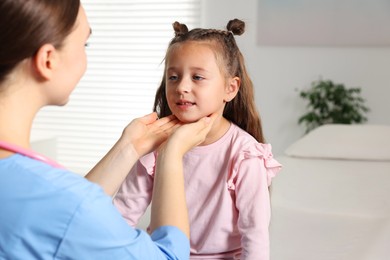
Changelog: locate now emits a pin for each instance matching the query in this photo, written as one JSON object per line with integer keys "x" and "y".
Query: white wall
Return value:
{"x": 277, "y": 73}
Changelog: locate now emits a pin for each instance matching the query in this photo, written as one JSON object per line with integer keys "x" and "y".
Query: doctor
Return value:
{"x": 48, "y": 212}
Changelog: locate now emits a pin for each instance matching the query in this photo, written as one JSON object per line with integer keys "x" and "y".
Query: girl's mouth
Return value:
{"x": 185, "y": 104}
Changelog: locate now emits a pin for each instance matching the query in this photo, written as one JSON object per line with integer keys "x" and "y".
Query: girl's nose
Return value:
{"x": 184, "y": 86}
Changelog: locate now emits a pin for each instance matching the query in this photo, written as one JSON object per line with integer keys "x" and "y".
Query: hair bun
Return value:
{"x": 236, "y": 26}
{"x": 179, "y": 28}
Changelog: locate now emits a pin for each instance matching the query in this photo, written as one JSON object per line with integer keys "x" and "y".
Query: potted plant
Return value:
{"x": 330, "y": 103}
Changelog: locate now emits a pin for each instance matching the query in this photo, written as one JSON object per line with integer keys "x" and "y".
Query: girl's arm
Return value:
{"x": 253, "y": 203}
{"x": 140, "y": 137}
{"x": 135, "y": 194}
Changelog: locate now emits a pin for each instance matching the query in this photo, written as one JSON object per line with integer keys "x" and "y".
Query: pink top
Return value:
{"x": 227, "y": 196}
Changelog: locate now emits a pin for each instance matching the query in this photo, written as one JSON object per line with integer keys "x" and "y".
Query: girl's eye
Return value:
{"x": 197, "y": 77}
{"x": 86, "y": 44}
{"x": 172, "y": 77}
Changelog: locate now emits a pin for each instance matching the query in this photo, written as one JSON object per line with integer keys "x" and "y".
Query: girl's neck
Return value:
{"x": 219, "y": 129}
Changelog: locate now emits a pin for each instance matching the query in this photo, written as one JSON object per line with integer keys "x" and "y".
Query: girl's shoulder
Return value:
{"x": 246, "y": 147}
{"x": 243, "y": 141}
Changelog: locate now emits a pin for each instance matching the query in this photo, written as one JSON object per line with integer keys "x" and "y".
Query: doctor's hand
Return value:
{"x": 187, "y": 136}
{"x": 140, "y": 136}
{"x": 148, "y": 132}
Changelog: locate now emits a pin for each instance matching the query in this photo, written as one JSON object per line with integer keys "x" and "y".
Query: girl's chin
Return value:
{"x": 187, "y": 120}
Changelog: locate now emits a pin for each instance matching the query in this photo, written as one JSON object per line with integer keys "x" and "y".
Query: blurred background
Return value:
{"x": 287, "y": 45}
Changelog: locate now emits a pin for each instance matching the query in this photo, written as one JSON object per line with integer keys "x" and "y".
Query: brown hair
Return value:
{"x": 242, "y": 109}
{"x": 26, "y": 25}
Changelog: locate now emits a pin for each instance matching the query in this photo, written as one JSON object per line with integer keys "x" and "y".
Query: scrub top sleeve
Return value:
{"x": 172, "y": 239}
{"x": 98, "y": 231}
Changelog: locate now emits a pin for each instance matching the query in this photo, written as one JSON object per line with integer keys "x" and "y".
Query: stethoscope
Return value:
{"x": 29, "y": 153}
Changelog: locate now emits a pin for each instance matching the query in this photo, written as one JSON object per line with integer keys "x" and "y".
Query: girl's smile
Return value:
{"x": 185, "y": 105}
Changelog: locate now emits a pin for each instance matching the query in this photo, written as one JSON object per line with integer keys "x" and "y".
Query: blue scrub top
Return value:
{"x": 50, "y": 213}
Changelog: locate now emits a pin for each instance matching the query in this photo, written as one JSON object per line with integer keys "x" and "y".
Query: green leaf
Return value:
{"x": 332, "y": 103}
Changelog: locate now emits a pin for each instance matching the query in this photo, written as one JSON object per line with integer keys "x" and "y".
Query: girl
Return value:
{"x": 228, "y": 175}
{"x": 48, "y": 212}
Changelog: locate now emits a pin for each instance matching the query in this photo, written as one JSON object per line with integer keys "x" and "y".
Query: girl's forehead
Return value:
{"x": 191, "y": 48}
{"x": 192, "y": 45}
{"x": 200, "y": 49}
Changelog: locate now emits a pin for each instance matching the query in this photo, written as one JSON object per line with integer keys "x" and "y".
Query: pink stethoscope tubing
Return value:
{"x": 29, "y": 153}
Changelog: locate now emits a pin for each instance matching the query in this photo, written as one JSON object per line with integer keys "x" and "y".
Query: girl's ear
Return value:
{"x": 232, "y": 89}
{"x": 45, "y": 61}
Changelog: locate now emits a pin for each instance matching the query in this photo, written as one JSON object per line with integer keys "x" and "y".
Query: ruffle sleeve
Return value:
{"x": 256, "y": 150}
{"x": 148, "y": 162}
